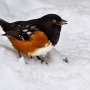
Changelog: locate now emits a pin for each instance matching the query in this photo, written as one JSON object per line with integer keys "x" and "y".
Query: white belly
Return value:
{"x": 41, "y": 51}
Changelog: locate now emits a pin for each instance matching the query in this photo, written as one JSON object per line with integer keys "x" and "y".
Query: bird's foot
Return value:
{"x": 41, "y": 59}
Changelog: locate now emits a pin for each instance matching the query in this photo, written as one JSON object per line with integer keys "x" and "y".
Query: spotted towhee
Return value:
{"x": 34, "y": 37}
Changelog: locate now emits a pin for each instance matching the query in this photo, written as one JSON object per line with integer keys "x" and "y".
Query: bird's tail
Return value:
{"x": 3, "y": 24}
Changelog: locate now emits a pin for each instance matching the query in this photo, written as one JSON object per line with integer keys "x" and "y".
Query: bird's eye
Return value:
{"x": 54, "y": 21}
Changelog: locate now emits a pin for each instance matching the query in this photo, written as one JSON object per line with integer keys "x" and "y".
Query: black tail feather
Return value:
{"x": 3, "y": 24}
{"x": 2, "y": 21}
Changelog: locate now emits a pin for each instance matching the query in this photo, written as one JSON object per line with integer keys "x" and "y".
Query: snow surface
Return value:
{"x": 74, "y": 44}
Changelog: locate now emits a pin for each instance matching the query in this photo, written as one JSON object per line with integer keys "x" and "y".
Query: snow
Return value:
{"x": 16, "y": 74}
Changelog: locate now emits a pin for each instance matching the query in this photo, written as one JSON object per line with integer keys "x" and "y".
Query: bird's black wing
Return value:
{"x": 20, "y": 30}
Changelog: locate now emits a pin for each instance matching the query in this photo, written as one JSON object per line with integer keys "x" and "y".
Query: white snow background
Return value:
{"x": 74, "y": 44}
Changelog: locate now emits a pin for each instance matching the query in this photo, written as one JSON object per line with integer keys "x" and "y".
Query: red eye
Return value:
{"x": 54, "y": 21}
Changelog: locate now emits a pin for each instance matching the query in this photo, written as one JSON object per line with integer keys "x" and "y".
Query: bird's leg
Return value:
{"x": 40, "y": 59}
{"x": 31, "y": 57}
{"x": 19, "y": 54}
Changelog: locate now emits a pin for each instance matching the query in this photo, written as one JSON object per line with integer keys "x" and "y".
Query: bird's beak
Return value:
{"x": 63, "y": 22}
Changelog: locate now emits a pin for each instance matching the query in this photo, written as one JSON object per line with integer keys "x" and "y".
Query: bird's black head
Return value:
{"x": 51, "y": 25}
{"x": 53, "y": 19}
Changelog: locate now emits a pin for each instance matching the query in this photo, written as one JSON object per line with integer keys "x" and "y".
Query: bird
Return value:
{"x": 34, "y": 37}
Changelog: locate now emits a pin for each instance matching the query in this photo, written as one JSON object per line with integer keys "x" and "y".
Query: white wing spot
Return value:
{"x": 21, "y": 37}
{"x": 25, "y": 30}
{"x": 32, "y": 27}
{"x": 18, "y": 30}
{"x": 19, "y": 26}
{"x": 28, "y": 33}
{"x": 27, "y": 26}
